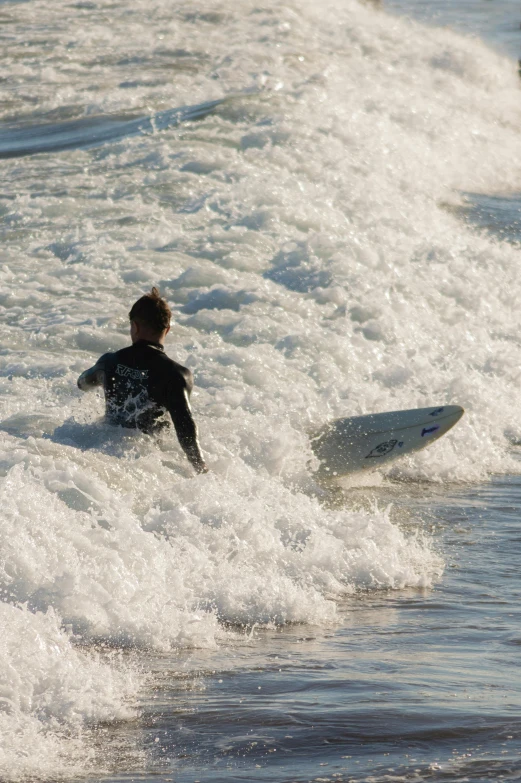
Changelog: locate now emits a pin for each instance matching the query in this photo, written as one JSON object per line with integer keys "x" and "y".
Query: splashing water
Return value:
{"x": 301, "y": 234}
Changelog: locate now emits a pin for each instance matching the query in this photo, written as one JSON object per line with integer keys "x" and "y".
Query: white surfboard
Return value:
{"x": 367, "y": 442}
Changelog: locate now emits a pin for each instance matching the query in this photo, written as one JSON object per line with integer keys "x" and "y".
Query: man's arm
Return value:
{"x": 181, "y": 413}
{"x": 94, "y": 376}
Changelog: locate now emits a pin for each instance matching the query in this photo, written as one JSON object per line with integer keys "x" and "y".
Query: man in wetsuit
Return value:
{"x": 141, "y": 383}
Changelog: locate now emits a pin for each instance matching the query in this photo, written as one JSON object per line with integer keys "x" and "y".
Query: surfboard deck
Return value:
{"x": 360, "y": 443}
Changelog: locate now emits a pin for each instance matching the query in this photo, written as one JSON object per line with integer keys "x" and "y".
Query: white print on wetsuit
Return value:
{"x": 130, "y": 372}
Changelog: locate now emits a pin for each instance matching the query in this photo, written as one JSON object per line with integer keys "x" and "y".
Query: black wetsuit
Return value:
{"x": 141, "y": 383}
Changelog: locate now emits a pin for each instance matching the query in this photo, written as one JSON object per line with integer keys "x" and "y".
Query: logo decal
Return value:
{"x": 382, "y": 449}
{"x": 429, "y": 430}
{"x": 437, "y": 412}
{"x": 131, "y": 372}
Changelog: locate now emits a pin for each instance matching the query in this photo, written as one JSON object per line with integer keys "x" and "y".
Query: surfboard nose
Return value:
{"x": 360, "y": 443}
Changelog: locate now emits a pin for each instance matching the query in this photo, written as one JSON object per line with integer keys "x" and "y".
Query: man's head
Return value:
{"x": 150, "y": 318}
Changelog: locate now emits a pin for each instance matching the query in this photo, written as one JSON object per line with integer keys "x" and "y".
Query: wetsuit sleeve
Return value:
{"x": 178, "y": 406}
{"x": 94, "y": 376}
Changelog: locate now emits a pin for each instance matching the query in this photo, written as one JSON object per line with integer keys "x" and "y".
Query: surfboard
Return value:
{"x": 361, "y": 443}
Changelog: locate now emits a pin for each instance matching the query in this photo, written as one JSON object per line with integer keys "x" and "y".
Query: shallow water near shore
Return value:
{"x": 329, "y": 199}
{"x": 418, "y": 685}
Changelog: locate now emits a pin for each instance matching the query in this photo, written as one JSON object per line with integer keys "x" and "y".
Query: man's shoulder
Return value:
{"x": 112, "y": 358}
{"x": 105, "y": 358}
{"x": 122, "y": 353}
{"x": 178, "y": 371}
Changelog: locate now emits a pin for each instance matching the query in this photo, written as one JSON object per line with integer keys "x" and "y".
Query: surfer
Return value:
{"x": 141, "y": 383}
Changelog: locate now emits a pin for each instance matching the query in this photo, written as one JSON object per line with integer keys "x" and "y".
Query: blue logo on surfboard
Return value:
{"x": 429, "y": 430}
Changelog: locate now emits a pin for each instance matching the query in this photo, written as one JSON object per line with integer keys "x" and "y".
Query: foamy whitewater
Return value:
{"x": 305, "y": 231}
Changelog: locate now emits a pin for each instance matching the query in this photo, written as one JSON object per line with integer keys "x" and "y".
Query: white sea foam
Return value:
{"x": 48, "y": 691}
{"x": 155, "y": 561}
{"x": 303, "y": 238}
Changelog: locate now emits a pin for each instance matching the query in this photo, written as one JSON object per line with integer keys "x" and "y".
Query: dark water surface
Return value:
{"x": 499, "y": 215}
{"x": 498, "y": 22}
{"x": 17, "y": 141}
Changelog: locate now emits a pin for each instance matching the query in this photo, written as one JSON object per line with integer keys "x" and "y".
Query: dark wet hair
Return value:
{"x": 152, "y": 311}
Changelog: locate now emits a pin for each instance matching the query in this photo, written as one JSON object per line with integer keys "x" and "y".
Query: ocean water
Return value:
{"x": 328, "y": 195}
{"x": 497, "y": 22}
